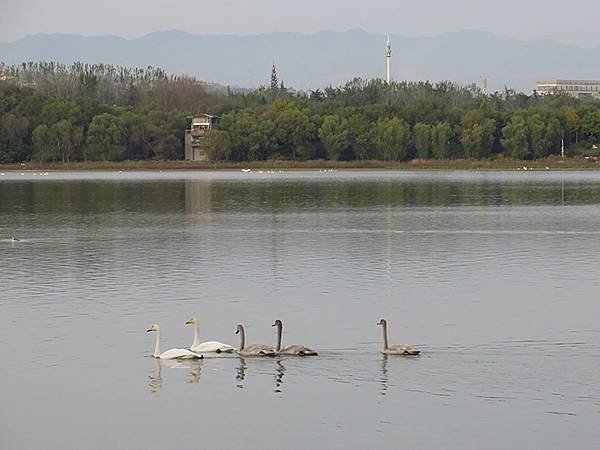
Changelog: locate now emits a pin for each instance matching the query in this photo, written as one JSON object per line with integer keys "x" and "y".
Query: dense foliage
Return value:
{"x": 52, "y": 112}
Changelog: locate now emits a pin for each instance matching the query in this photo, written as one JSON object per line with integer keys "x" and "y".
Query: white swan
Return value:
{"x": 14, "y": 239}
{"x": 174, "y": 353}
{"x": 206, "y": 347}
{"x": 293, "y": 350}
{"x": 403, "y": 350}
{"x": 254, "y": 349}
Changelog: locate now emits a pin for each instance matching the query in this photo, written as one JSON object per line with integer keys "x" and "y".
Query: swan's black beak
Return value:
{"x": 188, "y": 322}
{"x": 148, "y": 331}
{"x": 274, "y": 325}
{"x": 237, "y": 331}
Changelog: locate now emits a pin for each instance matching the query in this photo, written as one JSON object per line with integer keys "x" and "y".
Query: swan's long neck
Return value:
{"x": 196, "y": 335}
{"x": 242, "y": 338}
{"x": 279, "y": 333}
{"x": 157, "y": 345}
{"x": 385, "y": 339}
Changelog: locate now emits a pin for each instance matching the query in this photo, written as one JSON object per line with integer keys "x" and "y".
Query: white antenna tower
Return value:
{"x": 484, "y": 84}
{"x": 388, "y": 55}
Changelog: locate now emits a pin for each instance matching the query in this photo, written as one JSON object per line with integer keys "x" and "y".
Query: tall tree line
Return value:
{"x": 53, "y": 112}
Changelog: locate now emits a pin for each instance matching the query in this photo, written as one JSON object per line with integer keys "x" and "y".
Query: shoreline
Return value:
{"x": 413, "y": 165}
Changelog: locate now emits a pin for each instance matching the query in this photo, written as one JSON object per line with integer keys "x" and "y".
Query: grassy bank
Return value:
{"x": 502, "y": 164}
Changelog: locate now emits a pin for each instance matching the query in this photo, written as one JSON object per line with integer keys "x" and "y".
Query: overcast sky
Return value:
{"x": 575, "y": 21}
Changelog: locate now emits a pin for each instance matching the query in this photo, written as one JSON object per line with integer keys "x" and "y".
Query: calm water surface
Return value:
{"x": 496, "y": 276}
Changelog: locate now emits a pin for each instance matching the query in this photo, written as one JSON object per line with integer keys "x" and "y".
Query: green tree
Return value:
{"x": 14, "y": 129}
{"x": 532, "y": 134}
{"x": 537, "y": 140}
{"x": 66, "y": 138}
{"x": 161, "y": 134}
{"x": 360, "y": 136}
{"x": 42, "y": 140}
{"x": 477, "y": 133}
{"x": 391, "y": 139}
{"x": 5, "y": 155}
{"x": 217, "y": 145}
{"x": 472, "y": 141}
{"x": 422, "y": 140}
{"x": 136, "y": 124}
{"x": 274, "y": 82}
{"x": 516, "y": 137}
{"x": 292, "y": 131}
{"x": 591, "y": 125}
{"x": 572, "y": 122}
{"x": 554, "y": 134}
{"x": 57, "y": 109}
{"x": 440, "y": 140}
{"x": 106, "y": 138}
{"x": 248, "y": 136}
{"x": 334, "y": 136}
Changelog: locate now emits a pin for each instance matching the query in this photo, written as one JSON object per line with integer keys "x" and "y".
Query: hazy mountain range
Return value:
{"x": 309, "y": 61}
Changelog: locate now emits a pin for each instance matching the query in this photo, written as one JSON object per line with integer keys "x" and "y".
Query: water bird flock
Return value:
{"x": 197, "y": 348}
{"x": 262, "y": 171}
{"x": 41, "y": 174}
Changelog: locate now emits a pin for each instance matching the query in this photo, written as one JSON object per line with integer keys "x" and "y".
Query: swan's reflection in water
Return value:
{"x": 384, "y": 378}
{"x": 241, "y": 372}
{"x": 155, "y": 380}
{"x": 195, "y": 375}
{"x": 280, "y": 372}
{"x": 243, "y": 366}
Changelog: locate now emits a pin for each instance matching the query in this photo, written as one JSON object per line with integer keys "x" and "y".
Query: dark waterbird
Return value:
{"x": 294, "y": 350}
{"x": 403, "y": 350}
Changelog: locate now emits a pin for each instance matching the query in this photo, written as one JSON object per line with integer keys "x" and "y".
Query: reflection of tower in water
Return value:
{"x": 388, "y": 250}
{"x": 197, "y": 196}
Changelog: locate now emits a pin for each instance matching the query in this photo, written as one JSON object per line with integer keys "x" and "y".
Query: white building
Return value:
{"x": 574, "y": 88}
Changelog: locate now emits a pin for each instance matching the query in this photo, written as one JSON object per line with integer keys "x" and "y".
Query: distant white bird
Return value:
{"x": 14, "y": 239}
{"x": 174, "y": 353}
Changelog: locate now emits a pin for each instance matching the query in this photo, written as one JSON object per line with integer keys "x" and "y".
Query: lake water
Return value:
{"x": 495, "y": 276}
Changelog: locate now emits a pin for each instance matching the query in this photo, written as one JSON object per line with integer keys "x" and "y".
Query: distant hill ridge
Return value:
{"x": 310, "y": 61}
